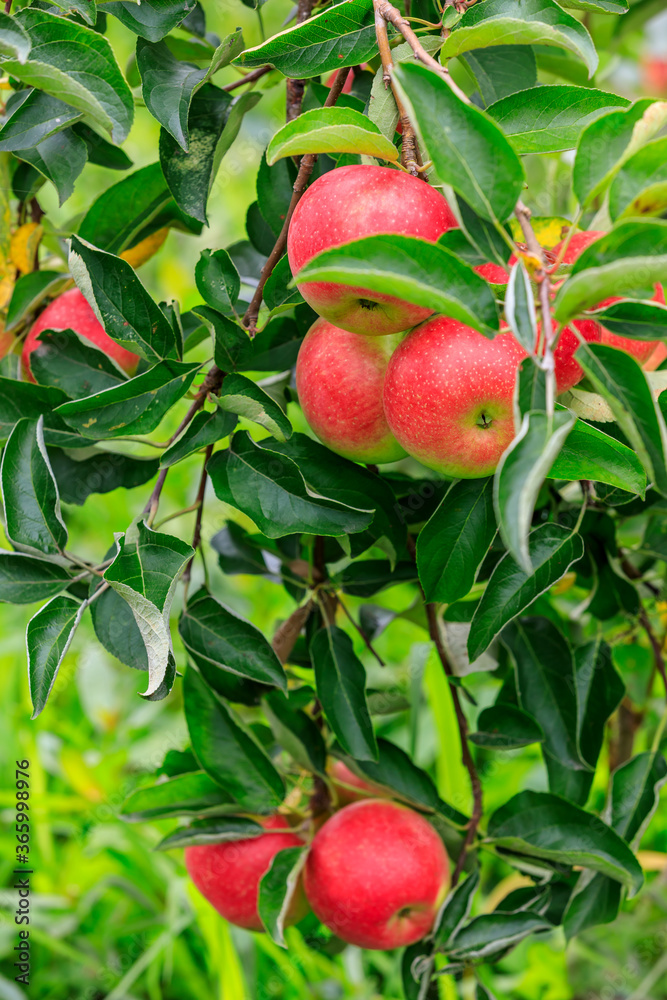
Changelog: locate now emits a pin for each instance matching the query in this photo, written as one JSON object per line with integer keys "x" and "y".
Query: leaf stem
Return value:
{"x": 466, "y": 756}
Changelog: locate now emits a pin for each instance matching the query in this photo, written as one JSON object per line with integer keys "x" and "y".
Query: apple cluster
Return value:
{"x": 441, "y": 392}
{"x": 376, "y": 872}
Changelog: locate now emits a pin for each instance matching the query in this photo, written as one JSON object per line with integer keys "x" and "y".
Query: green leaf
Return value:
{"x": 342, "y": 35}
{"x": 271, "y": 491}
{"x": 116, "y": 628}
{"x": 168, "y": 86}
{"x": 33, "y": 522}
{"x": 279, "y": 289}
{"x": 101, "y": 472}
{"x": 589, "y": 453}
{"x": 521, "y": 22}
{"x": 66, "y": 360}
{"x": 227, "y": 751}
{"x": 602, "y": 6}
{"x": 126, "y": 210}
{"x": 330, "y": 130}
{"x": 49, "y": 635}
{"x": 549, "y": 119}
{"x": 217, "y": 279}
{"x": 636, "y": 319}
{"x": 193, "y": 794}
{"x": 552, "y": 549}
{"x": 213, "y": 124}
{"x": 151, "y": 19}
{"x": 456, "y": 909}
{"x": 212, "y": 831}
{"x": 620, "y": 379}
{"x": 218, "y": 640}
{"x": 340, "y": 679}
{"x": 471, "y": 155}
{"x": 546, "y": 685}
{"x": 29, "y": 292}
{"x": 26, "y": 580}
{"x": 23, "y": 399}
{"x": 630, "y": 258}
{"x": 521, "y": 471}
{"x": 244, "y": 397}
{"x": 145, "y": 573}
{"x": 479, "y": 233}
{"x": 506, "y": 727}
{"x": 74, "y": 64}
{"x": 233, "y": 346}
{"x": 135, "y": 407}
{"x": 101, "y": 152}
{"x": 494, "y": 932}
{"x": 608, "y": 142}
{"x": 277, "y": 888}
{"x": 520, "y": 307}
{"x": 14, "y": 39}
{"x": 205, "y": 429}
{"x": 296, "y": 732}
{"x": 35, "y": 117}
{"x": 640, "y": 186}
{"x": 599, "y": 691}
{"x": 548, "y": 827}
{"x": 425, "y": 274}
{"x": 453, "y": 543}
{"x": 120, "y": 302}
{"x": 60, "y": 158}
{"x": 502, "y": 70}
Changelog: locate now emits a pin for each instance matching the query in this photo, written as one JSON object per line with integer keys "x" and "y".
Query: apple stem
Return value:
{"x": 466, "y": 756}
{"x": 410, "y": 156}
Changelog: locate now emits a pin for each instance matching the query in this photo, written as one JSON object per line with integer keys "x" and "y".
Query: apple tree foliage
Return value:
{"x": 543, "y": 573}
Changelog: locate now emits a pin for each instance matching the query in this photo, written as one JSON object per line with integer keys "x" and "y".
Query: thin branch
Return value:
{"x": 199, "y": 504}
{"x": 655, "y": 646}
{"x": 410, "y": 157}
{"x": 8, "y": 6}
{"x": 466, "y": 756}
{"x": 300, "y": 185}
{"x": 248, "y": 78}
{"x": 295, "y": 88}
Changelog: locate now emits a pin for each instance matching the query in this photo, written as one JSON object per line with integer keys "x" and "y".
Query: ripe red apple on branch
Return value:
{"x": 70, "y": 311}
{"x": 349, "y": 787}
{"x": 345, "y": 205}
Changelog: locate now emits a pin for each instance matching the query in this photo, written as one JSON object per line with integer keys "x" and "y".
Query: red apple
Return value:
{"x": 639, "y": 349}
{"x": 655, "y": 359}
{"x": 228, "y": 874}
{"x": 347, "y": 204}
{"x": 376, "y": 874}
{"x": 494, "y": 273}
{"x": 350, "y": 787}
{"x": 70, "y": 311}
{"x": 339, "y": 379}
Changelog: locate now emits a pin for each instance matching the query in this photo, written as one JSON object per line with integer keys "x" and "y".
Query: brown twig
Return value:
{"x": 410, "y": 156}
{"x": 466, "y": 756}
{"x": 655, "y": 646}
{"x": 199, "y": 503}
{"x": 295, "y": 88}
{"x": 300, "y": 185}
{"x": 8, "y": 6}
{"x": 248, "y": 78}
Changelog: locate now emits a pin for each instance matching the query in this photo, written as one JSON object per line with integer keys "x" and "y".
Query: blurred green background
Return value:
{"x": 113, "y": 919}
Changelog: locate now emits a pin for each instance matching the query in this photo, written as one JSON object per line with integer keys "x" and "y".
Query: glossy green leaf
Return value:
{"x": 14, "y": 39}
{"x": 623, "y": 383}
{"x": 640, "y": 186}
{"x": 546, "y": 826}
{"x": 212, "y": 831}
{"x": 134, "y": 407}
{"x": 609, "y": 141}
{"x": 151, "y": 19}
{"x": 589, "y": 453}
{"x": 493, "y": 933}
{"x": 116, "y": 628}
{"x": 270, "y": 490}
{"x": 342, "y": 35}
{"x": 217, "y": 279}
{"x": 552, "y": 549}
{"x": 501, "y": 70}
{"x": 599, "y": 691}
{"x": 33, "y": 522}
{"x": 520, "y": 474}
{"x": 277, "y": 888}
{"x": 296, "y": 732}
{"x": 49, "y": 635}
{"x": 206, "y": 428}
{"x": 34, "y": 118}
{"x": 193, "y": 794}
{"x": 60, "y": 158}
{"x": 25, "y": 579}
{"x": 425, "y": 274}
{"x": 232, "y": 344}
{"x": 100, "y": 151}
{"x": 456, "y": 909}
{"x": 75, "y": 64}
{"x": 546, "y": 685}
{"x": 549, "y": 119}
{"x": 341, "y": 687}
{"x": 520, "y": 307}
{"x": 168, "y": 85}
{"x": 479, "y": 233}
{"x": 100, "y": 472}
{"x": 227, "y": 751}
{"x": 453, "y": 543}
{"x": 330, "y": 130}
{"x": 471, "y": 155}
{"x": 506, "y": 727}
{"x": 244, "y": 397}
{"x": 636, "y": 319}
{"x": 219, "y": 640}
{"x": 126, "y": 210}
{"x": 521, "y": 22}
{"x": 70, "y": 362}
{"x": 145, "y": 572}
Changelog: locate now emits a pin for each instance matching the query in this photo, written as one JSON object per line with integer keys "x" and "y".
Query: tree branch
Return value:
{"x": 300, "y": 185}
{"x": 466, "y": 756}
{"x": 295, "y": 88}
{"x": 199, "y": 503}
{"x": 410, "y": 157}
{"x": 248, "y": 78}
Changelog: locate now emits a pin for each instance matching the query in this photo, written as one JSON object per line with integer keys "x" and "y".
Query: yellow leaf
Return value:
{"x": 24, "y": 244}
{"x": 144, "y": 250}
{"x": 547, "y": 228}
{"x": 7, "y": 270}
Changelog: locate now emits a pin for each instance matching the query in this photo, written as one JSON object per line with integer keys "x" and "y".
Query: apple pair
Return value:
{"x": 376, "y": 874}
